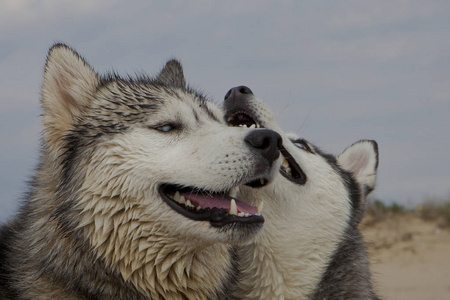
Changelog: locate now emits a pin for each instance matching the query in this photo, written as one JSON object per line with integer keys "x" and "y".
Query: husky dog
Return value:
{"x": 310, "y": 246}
{"x": 130, "y": 198}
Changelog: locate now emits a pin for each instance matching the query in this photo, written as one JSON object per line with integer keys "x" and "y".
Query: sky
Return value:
{"x": 334, "y": 72}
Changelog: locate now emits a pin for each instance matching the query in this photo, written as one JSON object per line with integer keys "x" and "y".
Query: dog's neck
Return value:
{"x": 288, "y": 258}
{"x": 276, "y": 266}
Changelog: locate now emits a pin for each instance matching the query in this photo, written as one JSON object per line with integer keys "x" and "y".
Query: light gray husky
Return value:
{"x": 310, "y": 246}
{"x": 130, "y": 197}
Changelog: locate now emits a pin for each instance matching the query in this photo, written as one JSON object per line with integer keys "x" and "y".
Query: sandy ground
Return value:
{"x": 410, "y": 257}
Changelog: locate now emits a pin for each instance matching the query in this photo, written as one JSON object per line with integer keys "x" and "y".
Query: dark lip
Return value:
{"x": 242, "y": 115}
{"x": 257, "y": 183}
{"x": 218, "y": 217}
{"x": 298, "y": 176}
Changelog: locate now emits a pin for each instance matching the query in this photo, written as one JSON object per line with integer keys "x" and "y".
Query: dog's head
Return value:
{"x": 140, "y": 156}
{"x": 307, "y": 171}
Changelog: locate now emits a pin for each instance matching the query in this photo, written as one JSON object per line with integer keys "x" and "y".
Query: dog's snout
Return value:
{"x": 238, "y": 92}
{"x": 266, "y": 142}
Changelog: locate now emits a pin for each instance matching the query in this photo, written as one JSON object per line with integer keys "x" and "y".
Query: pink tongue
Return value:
{"x": 219, "y": 201}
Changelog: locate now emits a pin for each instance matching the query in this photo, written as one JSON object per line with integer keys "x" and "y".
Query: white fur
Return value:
{"x": 304, "y": 223}
{"x": 361, "y": 160}
{"x": 302, "y": 229}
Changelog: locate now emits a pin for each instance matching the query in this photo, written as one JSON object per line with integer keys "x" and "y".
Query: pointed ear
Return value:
{"x": 172, "y": 74}
{"x": 68, "y": 85}
{"x": 361, "y": 159}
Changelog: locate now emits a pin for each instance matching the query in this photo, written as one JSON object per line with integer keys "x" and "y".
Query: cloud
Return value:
{"x": 336, "y": 72}
{"x": 34, "y": 9}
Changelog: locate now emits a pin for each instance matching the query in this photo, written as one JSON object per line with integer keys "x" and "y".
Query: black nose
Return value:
{"x": 238, "y": 91}
{"x": 266, "y": 141}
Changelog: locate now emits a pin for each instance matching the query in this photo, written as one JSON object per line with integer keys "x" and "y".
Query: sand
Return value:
{"x": 410, "y": 257}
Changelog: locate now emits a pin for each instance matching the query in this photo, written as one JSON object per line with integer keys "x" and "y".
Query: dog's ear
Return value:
{"x": 361, "y": 159}
{"x": 172, "y": 74}
{"x": 69, "y": 83}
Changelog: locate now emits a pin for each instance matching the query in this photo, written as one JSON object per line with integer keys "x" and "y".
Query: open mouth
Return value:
{"x": 201, "y": 205}
{"x": 289, "y": 167}
{"x": 241, "y": 119}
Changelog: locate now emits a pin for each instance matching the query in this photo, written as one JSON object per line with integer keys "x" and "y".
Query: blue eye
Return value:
{"x": 300, "y": 145}
{"x": 165, "y": 128}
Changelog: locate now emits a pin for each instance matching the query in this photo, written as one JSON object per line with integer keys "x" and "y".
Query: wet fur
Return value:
{"x": 93, "y": 225}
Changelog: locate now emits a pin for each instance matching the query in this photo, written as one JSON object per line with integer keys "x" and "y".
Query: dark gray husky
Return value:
{"x": 130, "y": 198}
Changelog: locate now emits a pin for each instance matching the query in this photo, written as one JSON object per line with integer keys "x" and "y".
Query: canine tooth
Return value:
{"x": 252, "y": 126}
{"x": 233, "y": 207}
{"x": 182, "y": 200}
{"x": 176, "y": 197}
{"x": 285, "y": 163}
{"x": 259, "y": 207}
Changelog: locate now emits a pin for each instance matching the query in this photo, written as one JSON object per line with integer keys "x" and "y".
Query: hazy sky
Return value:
{"x": 334, "y": 71}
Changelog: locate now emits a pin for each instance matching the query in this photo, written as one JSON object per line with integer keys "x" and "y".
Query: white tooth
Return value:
{"x": 252, "y": 126}
{"x": 176, "y": 197}
{"x": 247, "y": 215}
{"x": 259, "y": 207}
{"x": 285, "y": 163}
{"x": 198, "y": 208}
{"x": 182, "y": 200}
{"x": 240, "y": 125}
{"x": 257, "y": 125}
{"x": 188, "y": 203}
{"x": 241, "y": 214}
{"x": 233, "y": 207}
{"x": 261, "y": 181}
{"x": 245, "y": 125}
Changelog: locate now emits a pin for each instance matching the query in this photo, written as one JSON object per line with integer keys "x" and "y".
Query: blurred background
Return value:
{"x": 334, "y": 72}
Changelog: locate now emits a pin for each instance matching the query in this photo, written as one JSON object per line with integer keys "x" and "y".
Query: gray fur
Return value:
{"x": 67, "y": 242}
{"x": 348, "y": 273}
{"x": 172, "y": 74}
